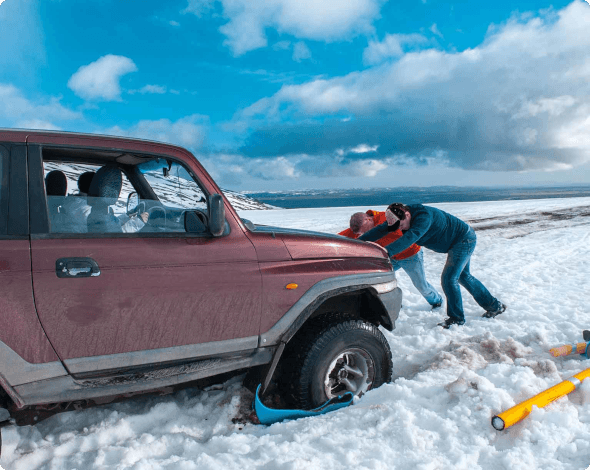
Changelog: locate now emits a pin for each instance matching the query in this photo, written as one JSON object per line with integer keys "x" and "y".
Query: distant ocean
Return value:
{"x": 385, "y": 196}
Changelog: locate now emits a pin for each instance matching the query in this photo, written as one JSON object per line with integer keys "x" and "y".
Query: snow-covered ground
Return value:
{"x": 534, "y": 255}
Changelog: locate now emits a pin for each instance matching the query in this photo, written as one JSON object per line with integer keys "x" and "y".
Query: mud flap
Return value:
{"x": 269, "y": 416}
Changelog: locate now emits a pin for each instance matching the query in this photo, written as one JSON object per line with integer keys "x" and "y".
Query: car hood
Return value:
{"x": 306, "y": 244}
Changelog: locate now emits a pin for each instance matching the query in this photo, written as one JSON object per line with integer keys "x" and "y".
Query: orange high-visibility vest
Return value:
{"x": 379, "y": 218}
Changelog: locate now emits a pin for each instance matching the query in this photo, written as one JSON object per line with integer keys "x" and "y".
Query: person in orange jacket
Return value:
{"x": 411, "y": 260}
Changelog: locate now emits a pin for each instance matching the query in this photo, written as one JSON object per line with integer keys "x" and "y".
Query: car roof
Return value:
{"x": 25, "y": 135}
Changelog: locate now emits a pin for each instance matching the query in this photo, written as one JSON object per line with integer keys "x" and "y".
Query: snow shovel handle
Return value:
{"x": 522, "y": 410}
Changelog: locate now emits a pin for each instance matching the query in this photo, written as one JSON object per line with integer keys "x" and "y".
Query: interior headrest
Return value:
{"x": 56, "y": 183}
{"x": 106, "y": 184}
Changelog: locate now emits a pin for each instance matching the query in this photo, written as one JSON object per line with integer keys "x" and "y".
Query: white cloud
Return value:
{"x": 391, "y": 46}
{"x": 277, "y": 168}
{"x": 37, "y": 124}
{"x": 559, "y": 166}
{"x": 150, "y": 89}
{"x": 165, "y": 21}
{"x": 328, "y": 20}
{"x": 190, "y": 131}
{"x": 520, "y": 100}
{"x": 18, "y": 111}
{"x": 234, "y": 169}
{"x": 527, "y": 137}
{"x": 579, "y": 70}
{"x": 365, "y": 168}
{"x": 338, "y": 166}
{"x": 552, "y": 106}
{"x": 364, "y": 148}
{"x": 301, "y": 52}
{"x": 199, "y": 7}
{"x": 434, "y": 30}
{"x": 358, "y": 150}
{"x": 300, "y": 49}
{"x": 575, "y": 133}
{"x": 99, "y": 80}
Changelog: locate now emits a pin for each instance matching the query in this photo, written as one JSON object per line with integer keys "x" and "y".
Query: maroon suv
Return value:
{"x": 124, "y": 269}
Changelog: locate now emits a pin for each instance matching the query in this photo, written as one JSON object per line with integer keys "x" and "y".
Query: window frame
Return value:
{"x": 5, "y": 157}
{"x": 18, "y": 207}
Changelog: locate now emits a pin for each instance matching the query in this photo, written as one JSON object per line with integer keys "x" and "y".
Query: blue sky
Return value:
{"x": 293, "y": 94}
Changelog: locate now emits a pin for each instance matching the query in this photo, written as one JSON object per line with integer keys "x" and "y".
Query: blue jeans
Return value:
{"x": 456, "y": 271}
{"x": 414, "y": 267}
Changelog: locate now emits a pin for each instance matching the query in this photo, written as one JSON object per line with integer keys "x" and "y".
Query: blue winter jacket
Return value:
{"x": 429, "y": 227}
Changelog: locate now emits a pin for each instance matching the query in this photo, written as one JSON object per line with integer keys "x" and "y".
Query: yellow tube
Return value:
{"x": 567, "y": 349}
{"x": 516, "y": 413}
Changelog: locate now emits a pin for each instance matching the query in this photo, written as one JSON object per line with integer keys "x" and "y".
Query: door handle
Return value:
{"x": 76, "y": 267}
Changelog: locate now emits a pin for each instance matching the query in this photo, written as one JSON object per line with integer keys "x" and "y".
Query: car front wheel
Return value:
{"x": 350, "y": 356}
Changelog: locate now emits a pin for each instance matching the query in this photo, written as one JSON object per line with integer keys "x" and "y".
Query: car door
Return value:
{"x": 120, "y": 300}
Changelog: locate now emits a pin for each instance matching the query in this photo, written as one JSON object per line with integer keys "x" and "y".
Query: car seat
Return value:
{"x": 84, "y": 182}
{"x": 56, "y": 185}
{"x": 103, "y": 192}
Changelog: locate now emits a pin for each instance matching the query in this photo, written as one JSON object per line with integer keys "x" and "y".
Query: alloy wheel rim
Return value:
{"x": 352, "y": 370}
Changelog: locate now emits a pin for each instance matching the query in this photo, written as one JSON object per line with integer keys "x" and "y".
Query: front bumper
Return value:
{"x": 392, "y": 304}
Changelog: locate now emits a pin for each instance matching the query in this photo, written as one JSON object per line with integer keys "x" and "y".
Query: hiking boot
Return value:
{"x": 450, "y": 321}
{"x": 495, "y": 313}
{"x": 437, "y": 305}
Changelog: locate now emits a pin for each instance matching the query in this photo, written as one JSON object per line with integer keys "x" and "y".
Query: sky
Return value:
{"x": 300, "y": 94}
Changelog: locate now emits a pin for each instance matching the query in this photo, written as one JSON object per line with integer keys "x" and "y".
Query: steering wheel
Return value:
{"x": 156, "y": 221}
{"x": 140, "y": 208}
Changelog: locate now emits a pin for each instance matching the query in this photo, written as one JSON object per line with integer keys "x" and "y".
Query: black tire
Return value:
{"x": 350, "y": 355}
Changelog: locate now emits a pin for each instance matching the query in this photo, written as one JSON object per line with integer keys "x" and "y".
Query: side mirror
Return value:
{"x": 132, "y": 202}
{"x": 216, "y": 215}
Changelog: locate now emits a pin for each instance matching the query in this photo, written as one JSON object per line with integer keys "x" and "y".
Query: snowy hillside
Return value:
{"x": 242, "y": 202}
{"x": 166, "y": 185}
{"x": 533, "y": 255}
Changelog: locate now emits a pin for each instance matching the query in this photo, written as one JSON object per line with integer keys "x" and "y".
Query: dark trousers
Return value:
{"x": 456, "y": 272}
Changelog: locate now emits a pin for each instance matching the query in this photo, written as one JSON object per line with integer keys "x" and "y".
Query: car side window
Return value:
{"x": 3, "y": 189}
{"x": 174, "y": 185}
{"x": 108, "y": 191}
{"x": 177, "y": 192}
{"x": 74, "y": 206}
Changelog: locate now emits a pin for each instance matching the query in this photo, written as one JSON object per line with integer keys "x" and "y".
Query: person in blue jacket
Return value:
{"x": 444, "y": 233}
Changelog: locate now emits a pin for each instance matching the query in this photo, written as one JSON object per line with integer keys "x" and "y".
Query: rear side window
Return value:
{"x": 3, "y": 189}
